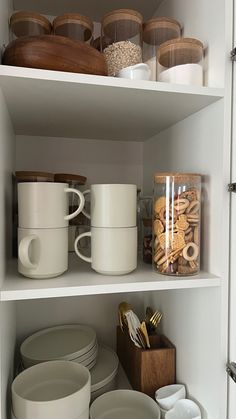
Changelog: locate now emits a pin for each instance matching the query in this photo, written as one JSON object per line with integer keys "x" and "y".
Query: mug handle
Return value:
{"x": 83, "y": 211}
{"x": 81, "y": 205}
{"x": 23, "y": 251}
{"x": 87, "y": 234}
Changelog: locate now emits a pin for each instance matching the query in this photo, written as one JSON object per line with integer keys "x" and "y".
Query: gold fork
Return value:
{"x": 155, "y": 319}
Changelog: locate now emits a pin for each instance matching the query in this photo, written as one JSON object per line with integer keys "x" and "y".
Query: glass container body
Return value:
{"x": 147, "y": 240}
{"x": 144, "y": 222}
{"x": 122, "y": 30}
{"x": 29, "y": 24}
{"x": 181, "y": 61}
{"x": 74, "y": 26}
{"x": 156, "y": 32}
{"x": 177, "y": 223}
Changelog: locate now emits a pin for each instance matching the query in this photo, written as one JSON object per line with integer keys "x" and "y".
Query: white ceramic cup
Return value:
{"x": 42, "y": 253}
{"x": 136, "y": 72}
{"x": 54, "y": 389}
{"x": 113, "y": 205}
{"x": 113, "y": 250}
{"x": 184, "y": 409}
{"x": 46, "y": 204}
{"x": 167, "y": 396}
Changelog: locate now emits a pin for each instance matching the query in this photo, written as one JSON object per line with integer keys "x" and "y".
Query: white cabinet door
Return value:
{"x": 232, "y": 290}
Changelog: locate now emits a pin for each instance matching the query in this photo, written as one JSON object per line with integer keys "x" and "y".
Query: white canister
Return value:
{"x": 113, "y": 250}
{"x": 42, "y": 252}
{"x": 181, "y": 61}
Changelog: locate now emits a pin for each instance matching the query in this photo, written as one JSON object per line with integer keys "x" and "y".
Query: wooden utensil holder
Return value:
{"x": 147, "y": 369}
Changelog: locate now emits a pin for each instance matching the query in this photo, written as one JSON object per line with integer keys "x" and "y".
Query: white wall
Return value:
{"x": 100, "y": 161}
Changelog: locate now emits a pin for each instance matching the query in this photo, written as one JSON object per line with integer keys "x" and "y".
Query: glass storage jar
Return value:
{"x": 147, "y": 239}
{"x": 176, "y": 223}
{"x": 122, "y": 30}
{"x": 29, "y": 24}
{"x": 74, "y": 26}
{"x": 155, "y": 32}
{"x": 181, "y": 61}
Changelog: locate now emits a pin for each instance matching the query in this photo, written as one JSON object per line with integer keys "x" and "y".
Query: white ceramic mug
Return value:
{"x": 42, "y": 253}
{"x": 46, "y": 204}
{"x": 113, "y": 205}
{"x": 113, "y": 250}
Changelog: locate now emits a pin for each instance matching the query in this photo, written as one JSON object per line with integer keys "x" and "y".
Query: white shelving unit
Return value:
{"x": 82, "y": 280}
{"x": 64, "y": 101}
{"x": 114, "y": 130}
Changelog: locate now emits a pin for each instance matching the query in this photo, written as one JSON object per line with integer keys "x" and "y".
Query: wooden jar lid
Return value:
{"x": 74, "y": 18}
{"x": 19, "y": 23}
{"x": 180, "y": 178}
{"x": 160, "y": 29}
{"x": 180, "y": 51}
{"x": 29, "y": 176}
{"x": 110, "y": 20}
{"x": 70, "y": 178}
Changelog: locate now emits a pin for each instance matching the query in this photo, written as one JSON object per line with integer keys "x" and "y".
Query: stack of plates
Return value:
{"x": 103, "y": 374}
{"x": 75, "y": 342}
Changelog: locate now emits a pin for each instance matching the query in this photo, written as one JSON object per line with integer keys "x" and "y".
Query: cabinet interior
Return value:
{"x": 195, "y": 320}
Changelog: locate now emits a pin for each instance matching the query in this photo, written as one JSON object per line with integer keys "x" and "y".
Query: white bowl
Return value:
{"x": 135, "y": 72}
{"x": 65, "y": 342}
{"x": 184, "y": 409}
{"x": 54, "y": 389}
{"x": 125, "y": 404}
{"x": 167, "y": 396}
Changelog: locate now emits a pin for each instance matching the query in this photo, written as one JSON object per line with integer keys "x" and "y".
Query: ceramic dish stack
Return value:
{"x": 104, "y": 373}
{"x": 54, "y": 389}
{"x": 74, "y": 342}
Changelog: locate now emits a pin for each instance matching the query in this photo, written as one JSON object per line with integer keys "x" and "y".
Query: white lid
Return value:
{"x": 105, "y": 369}
{"x": 61, "y": 342}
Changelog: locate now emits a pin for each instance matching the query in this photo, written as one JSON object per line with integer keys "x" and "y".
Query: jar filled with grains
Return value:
{"x": 176, "y": 223}
{"x": 122, "y": 30}
{"x": 155, "y": 32}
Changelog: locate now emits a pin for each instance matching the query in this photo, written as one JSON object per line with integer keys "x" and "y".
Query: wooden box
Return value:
{"x": 147, "y": 369}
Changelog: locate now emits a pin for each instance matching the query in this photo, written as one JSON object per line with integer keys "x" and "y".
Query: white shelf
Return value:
{"x": 52, "y": 103}
{"x": 80, "y": 279}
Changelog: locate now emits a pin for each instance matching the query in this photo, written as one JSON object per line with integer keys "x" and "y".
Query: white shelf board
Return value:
{"x": 80, "y": 280}
{"x": 53, "y": 103}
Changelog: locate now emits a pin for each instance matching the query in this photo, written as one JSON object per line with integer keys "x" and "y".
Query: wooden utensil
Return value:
{"x": 55, "y": 53}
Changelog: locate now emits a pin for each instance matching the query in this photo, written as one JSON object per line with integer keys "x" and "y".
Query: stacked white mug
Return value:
{"x": 43, "y": 228}
{"x": 113, "y": 229}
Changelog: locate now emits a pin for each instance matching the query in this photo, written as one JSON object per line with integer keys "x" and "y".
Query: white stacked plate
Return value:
{"x": 74, "y": 342}
{"x": 103, "y": 374}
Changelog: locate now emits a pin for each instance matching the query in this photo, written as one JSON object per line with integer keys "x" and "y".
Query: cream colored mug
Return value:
{"x": 42, "y": 252}
{"x": 113, "y": 250}
{"x": 46, "y": 204}
{"x": 112, "y": 205}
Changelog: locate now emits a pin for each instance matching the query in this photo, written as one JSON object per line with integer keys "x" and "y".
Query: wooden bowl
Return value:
{"x": 57, "y": 53}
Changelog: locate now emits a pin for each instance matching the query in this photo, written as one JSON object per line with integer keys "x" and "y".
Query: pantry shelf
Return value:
{"x": 80, "y": 279}
{"x": 52, "y": 103}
